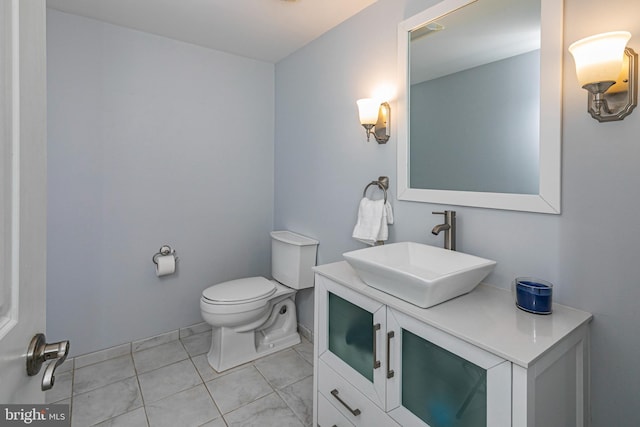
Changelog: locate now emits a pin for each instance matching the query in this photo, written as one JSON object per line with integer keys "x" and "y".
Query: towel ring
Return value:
{"x": 382, "y": 183}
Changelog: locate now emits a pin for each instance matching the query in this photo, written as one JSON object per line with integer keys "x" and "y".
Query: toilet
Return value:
{"x": 255, "y": 316}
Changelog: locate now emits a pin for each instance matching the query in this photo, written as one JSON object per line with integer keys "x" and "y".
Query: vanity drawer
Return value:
{"x": 328, "y": 416}
{"x": 352, "y": 404}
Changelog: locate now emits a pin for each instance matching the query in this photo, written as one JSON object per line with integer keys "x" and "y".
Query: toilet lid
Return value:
{"x": 240, "y": 290}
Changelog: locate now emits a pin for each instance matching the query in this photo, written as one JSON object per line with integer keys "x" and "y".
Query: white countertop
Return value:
{"x": 487, "y": 317}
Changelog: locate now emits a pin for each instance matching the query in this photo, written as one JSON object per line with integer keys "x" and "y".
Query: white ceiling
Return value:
{"x": 268, "y": 30}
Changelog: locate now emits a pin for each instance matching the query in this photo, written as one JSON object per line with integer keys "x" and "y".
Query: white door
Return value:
{"x": 22, "y": 193}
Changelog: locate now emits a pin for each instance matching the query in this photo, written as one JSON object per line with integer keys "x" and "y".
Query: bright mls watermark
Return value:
{"x": 35, "y": 415}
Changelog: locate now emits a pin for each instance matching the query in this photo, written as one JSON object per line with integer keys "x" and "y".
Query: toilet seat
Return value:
{"x": 239, "y": 291}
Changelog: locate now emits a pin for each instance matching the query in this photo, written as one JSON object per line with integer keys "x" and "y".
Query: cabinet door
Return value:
{"x": 442, "y": 381}
{"x": 350, "y": 328}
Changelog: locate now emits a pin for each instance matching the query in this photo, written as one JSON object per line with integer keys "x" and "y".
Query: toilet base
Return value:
{"x": 230, "y": 348}
{"x": 246, "y": 351}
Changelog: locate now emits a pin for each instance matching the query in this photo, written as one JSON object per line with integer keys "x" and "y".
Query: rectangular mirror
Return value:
{"x": 476, "y": 126}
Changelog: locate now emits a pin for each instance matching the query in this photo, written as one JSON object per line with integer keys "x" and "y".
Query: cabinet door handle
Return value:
{"x": 355, "y": 412}
{"x": 376, "y": 362}
{"x": 390, "y": 372}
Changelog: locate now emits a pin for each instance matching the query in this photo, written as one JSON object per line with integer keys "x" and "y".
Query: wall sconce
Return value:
{"x": 375, "y": 118}
{"x": 607, "y": 69}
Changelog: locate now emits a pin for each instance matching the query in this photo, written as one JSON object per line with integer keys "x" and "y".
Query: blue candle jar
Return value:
{"x": 533, "y": 295}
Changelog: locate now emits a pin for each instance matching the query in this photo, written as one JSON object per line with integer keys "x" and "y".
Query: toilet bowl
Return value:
{"x": 254, "y": 316}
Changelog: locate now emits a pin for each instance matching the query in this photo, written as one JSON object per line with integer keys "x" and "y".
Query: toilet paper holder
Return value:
{"x": 164, "y": 251}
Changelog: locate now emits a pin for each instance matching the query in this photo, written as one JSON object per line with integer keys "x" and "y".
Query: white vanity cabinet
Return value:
{"x": 380, "y": 361}
{"x": 411, "y": 372}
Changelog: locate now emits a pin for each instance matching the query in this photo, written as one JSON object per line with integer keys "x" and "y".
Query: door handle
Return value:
{"x": 390, "y": 372}
{"x": 39, "y": 352}
{"x": 376, "y": 362}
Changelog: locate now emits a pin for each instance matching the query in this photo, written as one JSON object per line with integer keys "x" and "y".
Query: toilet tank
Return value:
{"x": 292, "y": 257}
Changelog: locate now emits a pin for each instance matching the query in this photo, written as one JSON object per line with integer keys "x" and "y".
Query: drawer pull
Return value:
{"x": 355, "y": 412}
{"x": 376, "y": 362}
{"x": 390, "y": 372}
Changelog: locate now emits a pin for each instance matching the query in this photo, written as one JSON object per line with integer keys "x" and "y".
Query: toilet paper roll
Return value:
{"x": 166, "y": 265}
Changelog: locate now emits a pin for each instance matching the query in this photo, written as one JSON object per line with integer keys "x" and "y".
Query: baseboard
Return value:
{"x": 305, "y": 332}
{"x": 137, "y": 345}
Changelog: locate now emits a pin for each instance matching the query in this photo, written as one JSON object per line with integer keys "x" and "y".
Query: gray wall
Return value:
{"x": 497, "y": 149}
{"x": 151, "y": 141}
{"x": 590, "y": 251}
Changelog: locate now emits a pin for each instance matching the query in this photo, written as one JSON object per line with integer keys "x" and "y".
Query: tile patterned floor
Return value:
{"x": 167, "y": 381}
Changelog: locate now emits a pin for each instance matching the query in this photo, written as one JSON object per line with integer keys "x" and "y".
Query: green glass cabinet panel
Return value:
{"x": 351, "y": 335}
{"x": 440, "y": 388}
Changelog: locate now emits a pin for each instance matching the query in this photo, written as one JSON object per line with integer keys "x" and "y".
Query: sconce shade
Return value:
{"x": 368, "y": 109}
{"x": 599, "y": 58}
{"x": 375, "y": 118}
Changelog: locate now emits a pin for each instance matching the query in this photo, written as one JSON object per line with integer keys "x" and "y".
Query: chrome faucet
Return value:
{"x": 449, "y": 227}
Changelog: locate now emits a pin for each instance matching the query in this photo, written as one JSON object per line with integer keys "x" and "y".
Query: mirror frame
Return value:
{"x": 548, "y": 199}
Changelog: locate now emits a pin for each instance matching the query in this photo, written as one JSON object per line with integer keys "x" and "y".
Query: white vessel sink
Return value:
{"x": 420, "y": 274}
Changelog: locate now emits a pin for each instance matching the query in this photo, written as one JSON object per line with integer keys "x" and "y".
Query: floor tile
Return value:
{"x": 269, "y": 411}
{"x": 191, "y": 407}
{"x": 198, "y": 343}
{"x": 208, "y": 373}
{"x": 305, "y": 350}
{"x": 284, "y": 368}
{"x": 171, "y": 381}
{"x": 238, "y": 388}
{"x": 168, "y": 380}
{"x": 102, "y": 373}
{"x": 64, "y": 402}
{"x": 299, "y": 397}
{"x": 106, "y": 402}
{"x": 62, "y": 387}
{"x": 204, "y": 369}
{"x": 159, "y": 356}
{"x": 101, "y": 356}
{"x": 135, "y": 418}
{"x": 218, "y": 422}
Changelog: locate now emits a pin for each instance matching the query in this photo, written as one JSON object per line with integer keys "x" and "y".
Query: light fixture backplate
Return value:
{"x": 382, "y": 130}
{"x": 622, "y": 97}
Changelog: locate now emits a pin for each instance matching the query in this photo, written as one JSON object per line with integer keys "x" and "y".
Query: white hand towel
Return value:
{"x": 373, "y": 217}
{"x": 389, "y": 213}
